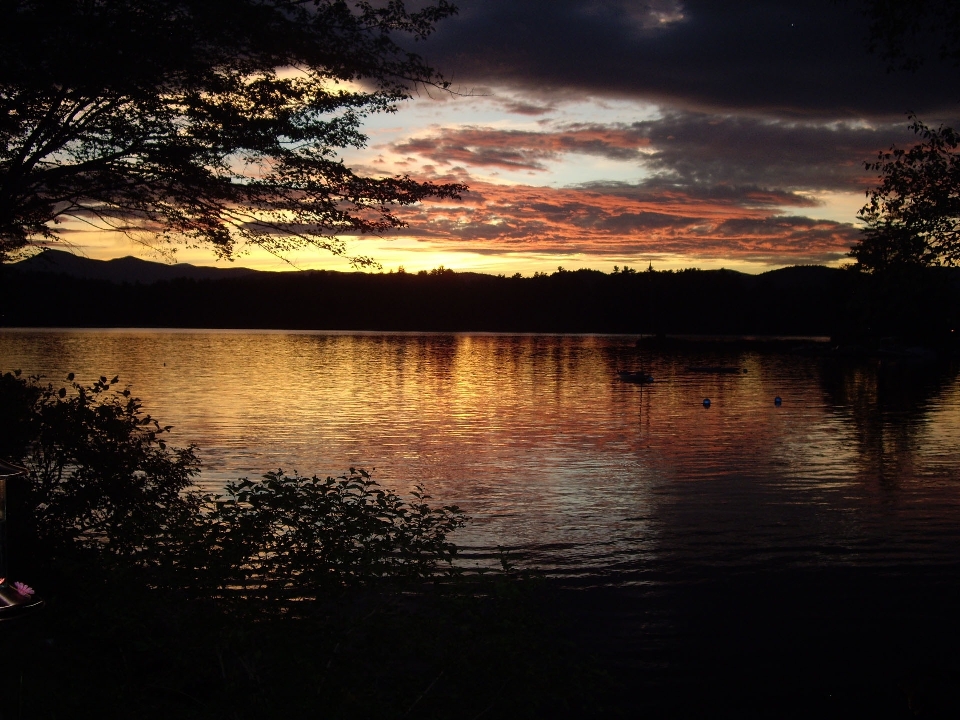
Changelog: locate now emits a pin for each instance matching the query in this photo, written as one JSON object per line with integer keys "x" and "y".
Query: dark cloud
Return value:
{"x": 526, "y": 108}
{"x": 701, "y": 149}
{"x": 786, "y": 59}
{"x": 522, "y": 149}
{"x": 695, "y": 150}
{"x": 663, "y": 190}
{"x": 627, "y": 222}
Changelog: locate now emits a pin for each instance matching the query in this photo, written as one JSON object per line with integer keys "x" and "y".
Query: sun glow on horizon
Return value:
{"x": 578, "y": 183}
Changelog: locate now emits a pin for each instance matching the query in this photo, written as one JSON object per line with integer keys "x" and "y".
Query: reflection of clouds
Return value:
{"x": 743, "y": 432}
{"x": 540, "y": 442}
{"x": 941, "y": 431}
{"x": 887, "y": 407}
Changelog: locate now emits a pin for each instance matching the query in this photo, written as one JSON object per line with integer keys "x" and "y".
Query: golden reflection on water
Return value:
{"x": 546, "y": 448}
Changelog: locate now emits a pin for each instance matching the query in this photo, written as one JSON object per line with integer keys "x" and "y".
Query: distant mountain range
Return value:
{"x": 126, "y": 269}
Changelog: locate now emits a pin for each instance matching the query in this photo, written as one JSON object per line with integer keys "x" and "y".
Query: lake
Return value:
{"x": 555, "y": 458}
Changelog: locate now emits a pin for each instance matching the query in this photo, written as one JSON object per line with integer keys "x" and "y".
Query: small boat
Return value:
{"x": 717, "y": 370}
{"x": 635, "y": 376}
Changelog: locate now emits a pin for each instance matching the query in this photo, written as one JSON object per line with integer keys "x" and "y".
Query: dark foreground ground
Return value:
{"x": 811, "y": 644}
{"x": 818, "y": 643}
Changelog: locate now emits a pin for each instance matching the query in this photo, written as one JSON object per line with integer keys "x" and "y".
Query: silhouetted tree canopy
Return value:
{"x": 911, "y": 219}
{"x": 913, "y": 216}
{"x": 206, "y": 121}
{"x": 908, "y": 32}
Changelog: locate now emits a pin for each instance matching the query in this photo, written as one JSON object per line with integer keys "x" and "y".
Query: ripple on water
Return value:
{"x": 553, "y": 456}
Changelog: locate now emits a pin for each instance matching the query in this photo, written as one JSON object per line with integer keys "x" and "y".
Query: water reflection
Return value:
{"x": 551, "y": 453}
{"x": 887, "y": 405}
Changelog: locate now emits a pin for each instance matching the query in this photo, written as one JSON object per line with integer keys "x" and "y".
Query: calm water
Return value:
{"x": 554, "y": 457}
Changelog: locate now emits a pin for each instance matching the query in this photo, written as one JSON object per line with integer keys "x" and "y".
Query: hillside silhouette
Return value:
{"x": 125, "y": 269}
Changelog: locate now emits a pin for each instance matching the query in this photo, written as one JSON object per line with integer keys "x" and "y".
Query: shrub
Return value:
{"x": 104, "y": 482}
{"x": 295, "y": 536}
{"x": 102, "y": 478}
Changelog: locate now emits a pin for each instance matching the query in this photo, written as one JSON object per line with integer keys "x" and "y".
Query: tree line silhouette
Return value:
{"x": 803, "y": 300}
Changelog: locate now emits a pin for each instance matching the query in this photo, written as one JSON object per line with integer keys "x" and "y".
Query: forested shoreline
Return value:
{"x": 803, "y": 300}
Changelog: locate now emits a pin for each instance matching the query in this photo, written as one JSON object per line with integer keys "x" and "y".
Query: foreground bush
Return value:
{"x": 105, "y": 486}
{"x": 102, "y": 479}
{"x": 293, "y": 536}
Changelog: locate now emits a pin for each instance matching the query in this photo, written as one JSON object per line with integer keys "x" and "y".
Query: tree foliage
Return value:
{"x": 907, "y": 32}
{"x": 101, "y": 474}
{"x": 207, "y": 121}
{"x": 913, "y": 217}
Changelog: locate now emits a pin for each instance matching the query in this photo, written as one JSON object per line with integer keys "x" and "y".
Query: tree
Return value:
{"x": 913, "y": 217}
{"x": 205, "y": 121}
{"x": 907, "y": 32}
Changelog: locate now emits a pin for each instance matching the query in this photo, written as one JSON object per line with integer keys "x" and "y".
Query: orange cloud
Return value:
{"x": 620, "y": 219}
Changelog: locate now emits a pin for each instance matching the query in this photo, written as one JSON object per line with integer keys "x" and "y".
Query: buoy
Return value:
{"x": 777, "y": 401}
{"x": 706, "y": 402}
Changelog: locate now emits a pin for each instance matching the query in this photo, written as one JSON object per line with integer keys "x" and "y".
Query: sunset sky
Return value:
{"x": 686, "y": 133}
